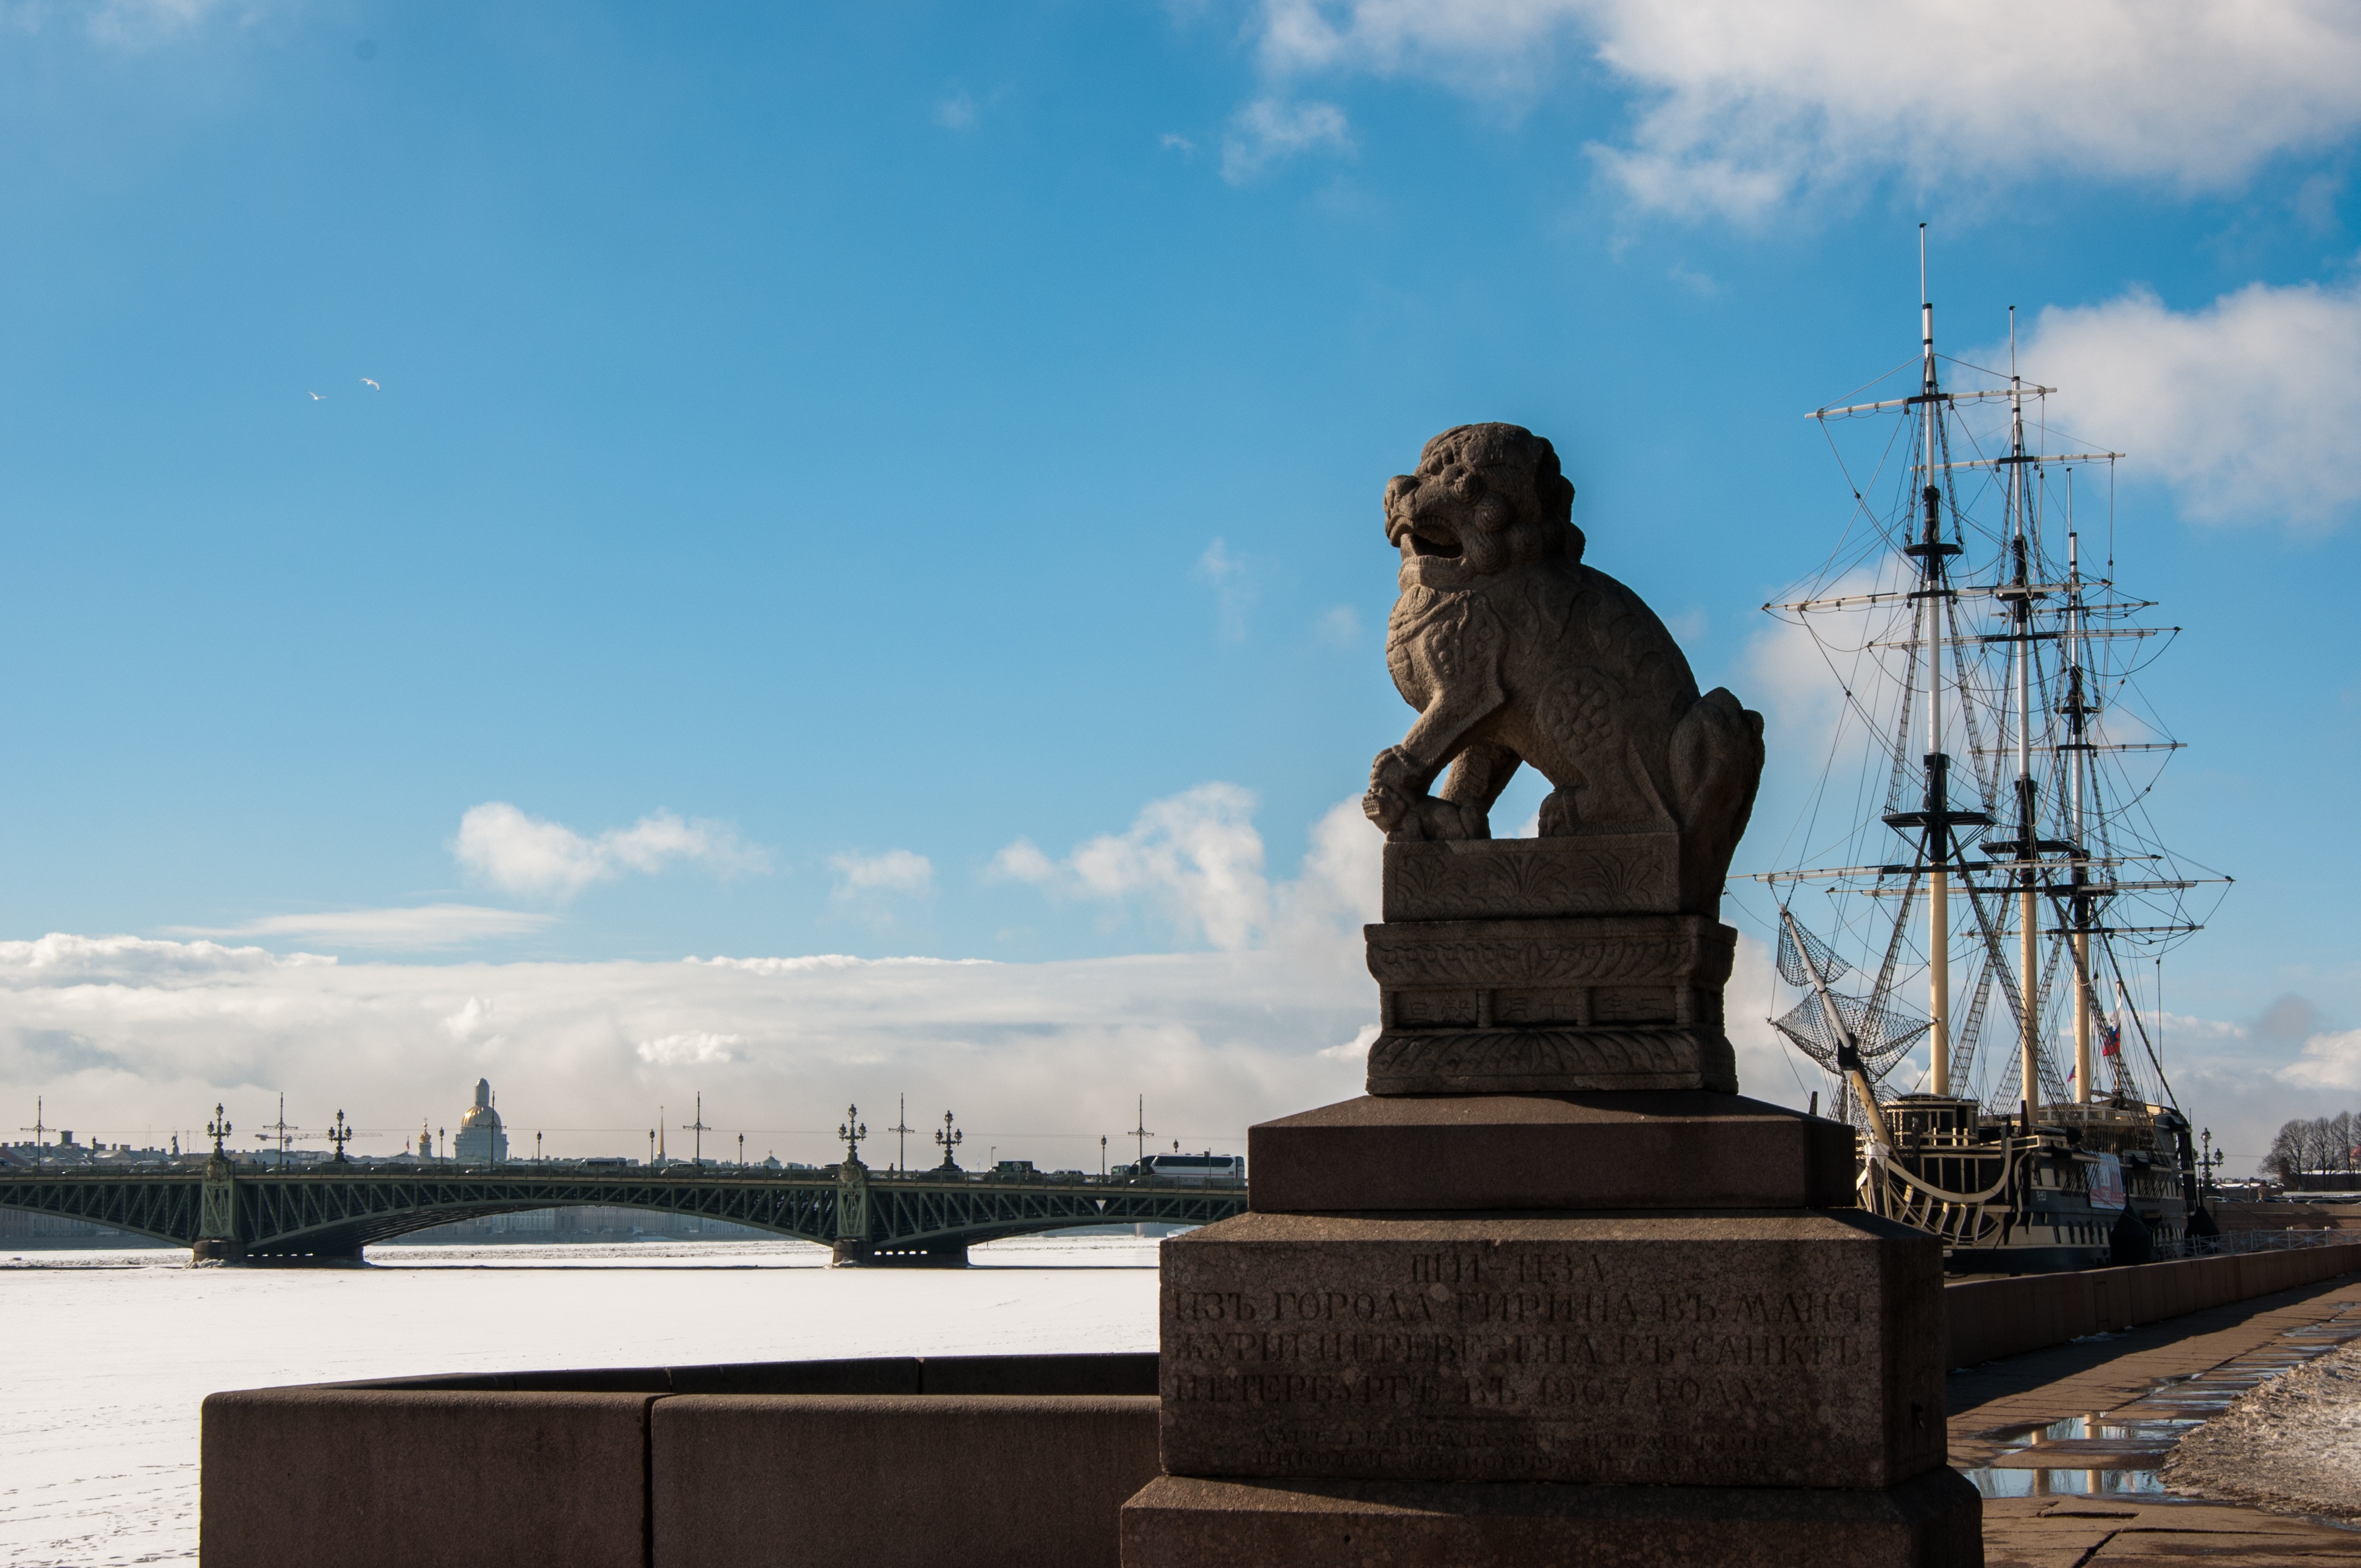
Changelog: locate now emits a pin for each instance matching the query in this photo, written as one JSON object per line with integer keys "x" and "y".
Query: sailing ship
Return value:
{"x": 1980, "y": 836}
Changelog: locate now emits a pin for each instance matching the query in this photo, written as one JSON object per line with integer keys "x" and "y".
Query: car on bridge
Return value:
{"x": 1196, "y": 1170}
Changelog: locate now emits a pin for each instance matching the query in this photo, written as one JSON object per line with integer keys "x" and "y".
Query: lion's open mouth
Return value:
{"x": 1421, "y": 545}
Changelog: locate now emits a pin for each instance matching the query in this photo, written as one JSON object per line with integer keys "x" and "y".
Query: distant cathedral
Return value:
{"x": 480, "y": 1140}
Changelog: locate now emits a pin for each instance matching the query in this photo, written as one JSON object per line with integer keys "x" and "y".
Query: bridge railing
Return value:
{"x": 192, "y": 1165}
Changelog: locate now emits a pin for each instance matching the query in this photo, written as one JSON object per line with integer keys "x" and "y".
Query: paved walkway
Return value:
{"x": 2109, "y": 1383}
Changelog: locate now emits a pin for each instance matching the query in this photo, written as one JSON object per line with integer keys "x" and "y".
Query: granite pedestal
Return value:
{"x": 1576, "y": 1328}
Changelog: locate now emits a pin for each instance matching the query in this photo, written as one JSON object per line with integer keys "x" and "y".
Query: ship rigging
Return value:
{"x": 2011, "y": 874}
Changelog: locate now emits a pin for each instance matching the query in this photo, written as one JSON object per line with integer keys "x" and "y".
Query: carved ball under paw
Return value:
{"x": 1433, "y": 819}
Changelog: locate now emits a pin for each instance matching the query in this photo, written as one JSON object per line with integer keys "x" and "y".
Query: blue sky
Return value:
{"x": 816, "y": 449}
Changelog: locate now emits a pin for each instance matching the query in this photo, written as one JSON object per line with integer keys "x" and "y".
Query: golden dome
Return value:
{"x": 481, "y": 1114}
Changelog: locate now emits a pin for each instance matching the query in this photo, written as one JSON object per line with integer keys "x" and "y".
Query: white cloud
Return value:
{"x": 1173, "y": 141}
{"x": 1339, "y": 888}
{"x": 135, "y": 1039}
{"x": 697, "y": 1047}
{"x": 129, "y": 24}
{"x": 956, "y": 113}
{"x": 421, "y": 926}
{"x": 1800, "y": 685}
{"x": 1339, "y": 627}
{"x": 2251, "y": 406}
{"x": 1023, "y": 860}
{"x": 527, "y": 855}
{"x": 61, "y": 959}
{"x": 2330, "y": 1061}
{"x": 1355, "y": 1049}
{"x": 1476, "y": 45}
{"x": 895, "y": 870}
{"x": 1271, "y": 130}
{"x": 1745, "y": 103}
{"x": 1233, "y": 582}
{"x": 1197, "y": 858}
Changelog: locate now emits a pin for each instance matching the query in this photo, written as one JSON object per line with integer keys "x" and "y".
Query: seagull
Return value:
{"x": 316, "y": 397}
{"x": 372, "y": 386}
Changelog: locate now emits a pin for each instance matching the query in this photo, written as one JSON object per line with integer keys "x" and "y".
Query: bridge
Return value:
{"x": 235, "y": 1212}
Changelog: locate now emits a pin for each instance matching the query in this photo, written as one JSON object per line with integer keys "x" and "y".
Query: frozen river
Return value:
{"x": 109, "y": 1352}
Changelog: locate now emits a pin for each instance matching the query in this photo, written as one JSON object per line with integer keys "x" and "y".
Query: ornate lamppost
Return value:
{"x": 948, "y": 1139}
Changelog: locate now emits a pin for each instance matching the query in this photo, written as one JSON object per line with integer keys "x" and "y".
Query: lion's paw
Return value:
{"x": 1429, "y": 819}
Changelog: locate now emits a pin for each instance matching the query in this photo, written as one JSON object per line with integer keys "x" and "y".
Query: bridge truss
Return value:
{"x": 326, "y": 1212}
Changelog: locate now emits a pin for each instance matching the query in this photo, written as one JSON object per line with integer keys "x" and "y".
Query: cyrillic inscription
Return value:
{"x": 1505, "y": 1363}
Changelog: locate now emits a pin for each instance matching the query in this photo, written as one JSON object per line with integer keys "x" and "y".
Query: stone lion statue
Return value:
{"x": 1513, "y": 651}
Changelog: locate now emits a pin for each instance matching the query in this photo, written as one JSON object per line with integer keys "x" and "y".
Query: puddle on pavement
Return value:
{"x": 2121, "y": 1452}
{"x": 2092, "y": 1455}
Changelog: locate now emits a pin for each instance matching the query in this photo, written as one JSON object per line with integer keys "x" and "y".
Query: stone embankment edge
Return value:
{"x": 1004, "y": 1461}
{"x": 1990, "y": 1318}
{"x": 902, "y": 1453}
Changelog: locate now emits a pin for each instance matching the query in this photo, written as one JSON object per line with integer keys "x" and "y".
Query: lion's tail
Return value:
{"x": 1717, "y": 765}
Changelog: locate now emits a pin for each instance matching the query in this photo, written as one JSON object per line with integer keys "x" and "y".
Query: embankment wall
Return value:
{"x": 899, "y": 1463}
{"x": 1993, "y": 1317}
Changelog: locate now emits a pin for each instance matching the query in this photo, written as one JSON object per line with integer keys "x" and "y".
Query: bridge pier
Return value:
{"x": 331, "y": 1254}
{"x": 919, "y": 1254}
{"x": 219, "y": 1249}
{"x": 926, "y": 1254}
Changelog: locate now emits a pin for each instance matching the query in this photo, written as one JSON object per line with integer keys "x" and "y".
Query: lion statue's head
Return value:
{"x": 1486, "y": 497}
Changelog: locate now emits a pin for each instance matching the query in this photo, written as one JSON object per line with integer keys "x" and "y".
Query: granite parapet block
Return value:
{"x": 355, "y": 1477}
{"x": 1932, "y": 1521}
{"x": 1669, "y": 1149}
{"x": 896, "y": 1481}
{"x": 1797, "y": 1349}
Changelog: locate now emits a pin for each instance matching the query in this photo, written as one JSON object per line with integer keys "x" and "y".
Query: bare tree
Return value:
{"x": 2286, "y": 1159}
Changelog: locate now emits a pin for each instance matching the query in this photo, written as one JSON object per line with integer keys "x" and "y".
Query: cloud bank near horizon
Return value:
{"x": 129, "y": 1038}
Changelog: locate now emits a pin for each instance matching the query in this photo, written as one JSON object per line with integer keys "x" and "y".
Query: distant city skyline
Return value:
{"x": 825, "y": 554}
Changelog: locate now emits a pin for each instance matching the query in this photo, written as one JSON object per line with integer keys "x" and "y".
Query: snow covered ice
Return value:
{"x": 112, "y": 1352}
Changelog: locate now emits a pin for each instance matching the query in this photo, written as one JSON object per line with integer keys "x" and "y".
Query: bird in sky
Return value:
{"x": 372, "y": 386}
{"x": 316, "y": 397}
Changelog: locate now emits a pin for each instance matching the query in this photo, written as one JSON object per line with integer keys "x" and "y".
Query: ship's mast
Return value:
{"x": 1930, "y": 553}
{"x": 2028, "y": 967}
{"x": 2077, "y": 709}
{"x": 2054, "y": 705}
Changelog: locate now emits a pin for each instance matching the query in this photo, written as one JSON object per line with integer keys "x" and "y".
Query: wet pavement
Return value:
{"x": 2066, "y": 1443}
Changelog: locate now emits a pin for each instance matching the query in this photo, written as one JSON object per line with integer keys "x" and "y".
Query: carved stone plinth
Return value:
{"x": 1746, "y": 1350}
{"x": 1496, "y": 879}
{"x": 1602, "y": 1001}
